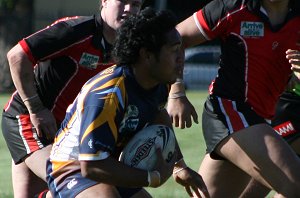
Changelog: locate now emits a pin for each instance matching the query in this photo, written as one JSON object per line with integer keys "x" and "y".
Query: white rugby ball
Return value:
{"x": 140, "y": 152}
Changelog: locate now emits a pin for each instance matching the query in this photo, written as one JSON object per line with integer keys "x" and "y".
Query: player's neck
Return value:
{"x": 143, "y": 78}
{"x": 276, "y": 10}
{"x": 109, "y": 34}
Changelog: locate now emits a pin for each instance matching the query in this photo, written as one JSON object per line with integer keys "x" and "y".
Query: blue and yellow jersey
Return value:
{"x": 110, "y": 108}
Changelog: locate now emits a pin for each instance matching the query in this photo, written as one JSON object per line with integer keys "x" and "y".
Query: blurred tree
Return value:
{"x": 15, "y": 23}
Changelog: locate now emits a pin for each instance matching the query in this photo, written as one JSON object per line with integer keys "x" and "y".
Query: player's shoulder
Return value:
{"x": 74, "y": 20}
{"x": 113, "y": 76}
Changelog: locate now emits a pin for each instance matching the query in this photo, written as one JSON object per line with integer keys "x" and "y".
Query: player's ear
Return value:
{"x": 145, "y": 55}
{"x": 104, "y": 3}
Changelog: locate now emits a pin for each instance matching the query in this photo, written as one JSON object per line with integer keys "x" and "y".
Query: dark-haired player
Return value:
{"x": 113, "y": 106}
{"x": 256, "y": 36}
{"x": 48, "y": 69}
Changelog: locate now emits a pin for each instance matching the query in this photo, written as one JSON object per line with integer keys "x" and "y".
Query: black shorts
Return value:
{"x": 222, "y": 117}
{"x": 287, "y": 117}
{"x": 20, "y": 136}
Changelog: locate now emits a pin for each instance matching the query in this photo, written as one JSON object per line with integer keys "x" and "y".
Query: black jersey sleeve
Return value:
{"x": 58, "y": 38}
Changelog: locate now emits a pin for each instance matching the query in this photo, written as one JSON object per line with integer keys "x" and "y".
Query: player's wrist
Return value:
{"x": 153, "y": 179}
{"x": 179, "y": 166}
{"x": 33, "y": 104}
{"x": 177, "y": 89}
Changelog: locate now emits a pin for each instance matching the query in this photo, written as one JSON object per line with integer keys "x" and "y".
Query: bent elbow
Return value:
{"x": 16, "y": 55}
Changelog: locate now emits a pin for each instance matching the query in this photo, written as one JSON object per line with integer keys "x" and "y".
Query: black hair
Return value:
{"x": 146, "y": 30}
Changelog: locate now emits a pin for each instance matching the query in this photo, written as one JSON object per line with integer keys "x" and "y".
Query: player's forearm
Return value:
{"x": 23, "y": 78}
{"x": 110, "y": 171}
{"x": 177, "y": 89}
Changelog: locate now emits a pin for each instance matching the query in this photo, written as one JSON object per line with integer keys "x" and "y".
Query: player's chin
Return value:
{"x": 173, "y": 79}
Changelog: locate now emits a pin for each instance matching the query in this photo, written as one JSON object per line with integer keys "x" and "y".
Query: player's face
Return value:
{"x": 168, "y": 65}
{"x": 115, "y": 11}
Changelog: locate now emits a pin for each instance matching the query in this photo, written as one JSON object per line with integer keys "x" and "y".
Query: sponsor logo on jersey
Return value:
{"x": 89, "y": 61}
{"x": 90, "y": 143}
{"x": 71, "y": 183}
{"x": 252, "y": 29}
{"x": 285, "y": 129}
{"x": 143, "y": 151}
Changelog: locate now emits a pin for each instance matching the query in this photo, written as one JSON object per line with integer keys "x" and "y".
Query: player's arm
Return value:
{"x": 294, "y": 59}
{"x": 113, "y": 172}
{"x": 23, "y": 77}
{"x": 179, "y": 107}
{"x": 190, "y": 33}
{"x": 182, "y": 174}
{"x": 97, "y": 163}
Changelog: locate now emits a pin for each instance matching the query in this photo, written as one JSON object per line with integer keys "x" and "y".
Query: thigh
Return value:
{"x": 37, "y": 161}
{"x": 264, "y": 155}
{"x": 141, "y": 194}
{"x": 100, "y": 191}
{"x": 105, "y": 190}
{"x": 223, "y": 117}
{"x": 296, "y": 145}
{"x": 25, "y": 182}
{"x": 222, "y": 178}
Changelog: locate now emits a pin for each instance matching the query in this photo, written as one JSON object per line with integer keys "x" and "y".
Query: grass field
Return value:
{"x": 190, "y": 140}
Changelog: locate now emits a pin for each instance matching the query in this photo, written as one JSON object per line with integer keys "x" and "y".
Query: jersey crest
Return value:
{"x": 131, "y": 119}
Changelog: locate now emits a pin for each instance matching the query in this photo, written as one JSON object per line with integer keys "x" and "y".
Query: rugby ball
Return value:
{"x": 140, "y": 152}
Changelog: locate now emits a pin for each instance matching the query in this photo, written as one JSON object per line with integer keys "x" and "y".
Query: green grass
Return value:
{"x": 192, "y": 146}
{"x": 5, "y": 160}
{"x": 190, "y": 140}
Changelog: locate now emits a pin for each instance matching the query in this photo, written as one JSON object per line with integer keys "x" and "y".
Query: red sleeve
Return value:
{"x": 27, "y": 51}
{"x": 216, "y": 18}
{"x": 202, "y": 25}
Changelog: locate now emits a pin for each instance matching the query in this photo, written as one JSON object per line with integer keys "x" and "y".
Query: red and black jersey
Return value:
{"x": 253, "y": 64}
{"x": 64, "y": 55}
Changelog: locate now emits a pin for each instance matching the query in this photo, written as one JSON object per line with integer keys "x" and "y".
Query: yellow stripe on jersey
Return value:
{"x": 109, "y": 83}
{"x": 57, "y": 165}
{"x": 105, "y": 116}
{"x": 86, "y": 88}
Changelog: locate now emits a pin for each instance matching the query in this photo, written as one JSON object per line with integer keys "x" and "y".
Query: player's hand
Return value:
{"x": 164, "y": 168}
{"x": 181, "y": 112}
{"x": 44, "y": 123}
{"x": 192, "y": 182}
{"x": 293, "y": 57}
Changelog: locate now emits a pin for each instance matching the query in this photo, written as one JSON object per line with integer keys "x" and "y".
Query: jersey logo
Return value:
{"x": 90, "y": 143}
{"x": 131, "y": 119}
{"x": 285, "y": 129}
{"x": 252, "y": 29}
{"x": 71, "y": 184}
{"x": 89, "y": 61}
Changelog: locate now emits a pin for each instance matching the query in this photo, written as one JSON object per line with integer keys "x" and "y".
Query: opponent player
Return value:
{"x": 48, "y": 69}
{"x": 286, "y": 123}
{"x": 112, "y": 107}
{"x": 255, "y": 37}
